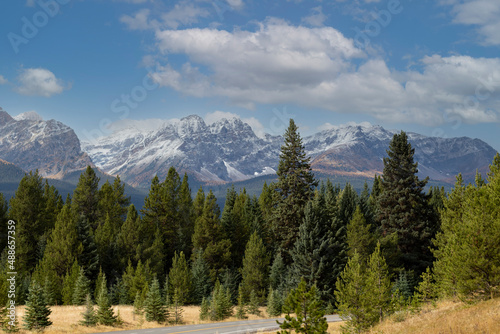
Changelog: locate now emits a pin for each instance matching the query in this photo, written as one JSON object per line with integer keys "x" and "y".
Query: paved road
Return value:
{"x": 234, "y": 327}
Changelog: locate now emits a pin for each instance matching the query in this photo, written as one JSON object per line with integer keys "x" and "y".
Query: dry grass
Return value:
{"x": 65, "y": 319}
{"x": 447, "y": 317}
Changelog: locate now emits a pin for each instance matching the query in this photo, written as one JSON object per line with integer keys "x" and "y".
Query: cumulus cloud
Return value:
{"x": 483, "y": 14}
{"x": 3, "y": 81}
{"x": 140, "y": 20}
{"x": 39, "y": 82}
{"x": 320, "y": 68}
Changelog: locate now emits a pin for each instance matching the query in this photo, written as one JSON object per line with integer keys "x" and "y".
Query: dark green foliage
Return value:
{"x": 4, "y": 207}
{"x": 89, "y": 315}
{"x": 27, "y": 209}
{"x": 403, "y": 207}
{"x": 359, "y": 236}
{"x": 130, "y": 238}
{"x": 105, "y": 314}
{"x": 312, "y": 255}
{"x": 88, "y": 258}
{"x": 37, "y": 312}
{"x": 205, "y": 309}
{"x": 179, "y": 278}
{"x": 220, "y": 303}
{"x": 154, "y": 306}
{"x": 200, "y": 274}
{"x": 187, "y": 218}
{"x": 295, "y": 187}
{"x": 277, "y": 274}
{"x": 209, "y": 237}
{"x": 309, "y": 315}
{"x": 69, "y": 283}
{"x": 255, "y": 268}
{"x": 85, "y": 201}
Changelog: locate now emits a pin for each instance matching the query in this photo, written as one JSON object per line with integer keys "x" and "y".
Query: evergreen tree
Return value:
{"x": 309, "y": 315}
{"x": 105, "y": 238}
{"x": 278, "y": 275}
{"x": 274, "y": 303}
{"x": 37, "y": 312}
{"x": 105, "y": 314}
{"x": 27, "y": 209}
{"x": 69, "y": 282}
{"x": 179, "y": 278}
{"x": 241, "y": 306}
{"x": 176, "y": 308}
{"x": 254, "y": 303}
{"x": 255, "y": 268}
{"x": 209, "y": 236}
{"x": 220, "y": 303}
{"x": 378, "y": 286}
{"x": 237, "y": 229}
{"x": 4, "y": 208}
{"x": 82, "y": 289}
{"x": 200, "y": 273}
{"x": 359, "y": 236}
{"x": 403, "y": 206}
{"x": 113, "y": 203}
{"x": 295, "y": 187}
{"x": 312, "y": 255}
{"x": 85, "y": 201}
{"x": 130, "y": 236}
{"x": 187, "y": 218}
{"x": 198, "y": 203}
{"x": 138, "y": 303}
{"x": 89, "y": 315}
{"x": 154, "y": 307}
{"x": 88, "y": 256}
{"x": 205, "y": 309}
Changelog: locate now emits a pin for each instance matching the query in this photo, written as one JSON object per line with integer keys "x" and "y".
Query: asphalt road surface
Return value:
{"x": 234, "y": 327}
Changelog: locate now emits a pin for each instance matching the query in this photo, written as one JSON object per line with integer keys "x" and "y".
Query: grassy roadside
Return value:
{"x": 65, "y": 319}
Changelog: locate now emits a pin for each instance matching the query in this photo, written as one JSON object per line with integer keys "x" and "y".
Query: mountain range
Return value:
{"x": 226, "y": 151}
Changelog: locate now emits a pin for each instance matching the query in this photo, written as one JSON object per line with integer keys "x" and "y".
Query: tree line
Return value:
{"x": 358, "y": 251}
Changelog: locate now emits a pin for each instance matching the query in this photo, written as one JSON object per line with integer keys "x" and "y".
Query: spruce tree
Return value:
{"x": 378, "y": 286}
{"x": 220, "y": 303}
{"x": 82, "y": 289}
{"x": 200, "y": 273}
{"x": 359, "y": 236}
{"x": 306, "y": 306}
{"x": 274, "y": 303}
{"x": 4, "y": 208}
{"x": 241, "y": 306}
{"x": 69, "y": 282}
{"x": 129, "y": 239}
{"x": 27, "y": 209}
{"x": 176, "y": 309}
{"x": 312, "y": 255}
{"x": 89, "y": 315}
{"x": 255, "y": 268}
{"x": 154, "y": 306}
{"x": 88, "y": 256}
{"x": 105, "y": 314}
{"x": 179, "y": 278}
{"x": 403, "y": 206}
{"x": 254, "y": 303}
{"x": 295, "y": 187}
{"x": 37, "y": 312}
{"x": 85, "y": 201}
{"x": 187, "y": 218}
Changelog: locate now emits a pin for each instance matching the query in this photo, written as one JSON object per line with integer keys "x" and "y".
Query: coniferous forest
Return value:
{"x": 363, "y": 256}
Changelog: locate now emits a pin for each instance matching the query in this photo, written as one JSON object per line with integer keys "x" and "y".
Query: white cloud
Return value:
{"x": 314, "y": 68}
{"x": 317, "y": 18}
{"x": 183, "y": 13}
{"x": 39, "y": 82}
{"x": 484, "y": 14}
{"x": 3, "y": 81}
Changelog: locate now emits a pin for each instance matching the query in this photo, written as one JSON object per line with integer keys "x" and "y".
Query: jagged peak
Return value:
{"x": 4, "y": 117}
{"x": 30, "y": 116}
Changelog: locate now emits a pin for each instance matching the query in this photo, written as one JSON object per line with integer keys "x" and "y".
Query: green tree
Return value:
{"x": 255, "y": 268}
{"x": 359, "y": 236}
{"x": 37, "y": 312}
{"x": 241, "y": 312}
{"x": 176, "y": 308}
{"x": 187, "y": 218}
{"x": 69, "y": 282}
{"x": 309, "y": 315}
{"x": 27, "y": 209}
{"x": 312, "y": 255}
{"x": 295, "y": 187}
{"x": 220, "y": 303}
{"x": 85, "y": 201}
{"x": 200, "y": 273}
{"x": 274, "y": 303}
{"x": 179, "y": 278}
{"x": 88, "y": 256}
{"x": 403, "y": 206}
{"x": 105, "y": 314}
{"x": 254, "y": 303}
{"x": 82, "y": 289}
{"x": 129, "y": 238}
{"x": 89, "y": 315}
{"x": 4, "y": 208}
{"x": 154, "y": 306}
{"x": 378, "y": 286}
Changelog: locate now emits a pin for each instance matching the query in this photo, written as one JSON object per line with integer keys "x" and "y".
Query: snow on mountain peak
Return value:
{"x": 29, "y": 115}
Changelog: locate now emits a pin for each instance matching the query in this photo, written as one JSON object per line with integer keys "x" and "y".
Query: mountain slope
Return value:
{"x": 229, "y": 151}
{"x": 31, "y": 143}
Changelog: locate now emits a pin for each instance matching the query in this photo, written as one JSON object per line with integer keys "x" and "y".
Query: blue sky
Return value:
{"x": 431, "y": 67}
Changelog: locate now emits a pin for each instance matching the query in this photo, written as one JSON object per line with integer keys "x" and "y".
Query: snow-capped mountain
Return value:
{"x": 229, "y": 151}
{"x": 31, "y": 143}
